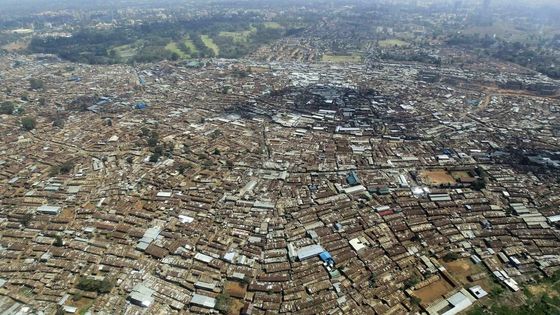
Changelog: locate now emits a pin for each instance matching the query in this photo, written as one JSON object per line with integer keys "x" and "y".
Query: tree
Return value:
{"x": 36, "y": 84}
{"x": 153, "y": 140}
{"x": 217, "y": 151}
{"x": 229, "y": 164}
{"x": 7, "y": 108}
{"x": 411, "y": 282}
{"x": 129, "y": 160}
{"x": 222, "y": 302}
{"x": 66, "y": 167}
{"x": 155, "y": 157}
{"x": 60, "y": 310}
{"x": 58, "y": 242}
{"x": 58, "y": 122}
{"x": 93, "y": 285}
{"x": 451, "y": 256}
{"x": 479, "y": 184}
{"x": 28, "y": 123}
{"x": 26, "y": 218}
{"x": 372, "y": 280}
{"x": 182, "y": 167}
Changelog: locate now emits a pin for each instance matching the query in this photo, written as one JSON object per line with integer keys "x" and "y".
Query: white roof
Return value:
{"x": 356, "y": 244}
{"x": 309, "y": 251}
{"x": 164, "y": 194}
{"x": 203, "y": 300}
{"x": 459, "y": 301}
{"x": 478, "y": 291}
{"x": 48, "y": 209}
{"x": 185, "y": 218}
{"x": 203, "y": 258}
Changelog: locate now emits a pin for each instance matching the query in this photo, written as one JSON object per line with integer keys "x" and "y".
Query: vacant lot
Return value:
{"x": 341, "y": 58}
{"x": 392, "y": 43}
{"x": 462, "y": 268}
{"x": 437, "y": 177}
{"x": 235, "y": 289}
{"x": 461, "y": 175}
{"x": 15, "y": 46}
{"x": 434, "y": 291}
{"x": 544, "y": 288}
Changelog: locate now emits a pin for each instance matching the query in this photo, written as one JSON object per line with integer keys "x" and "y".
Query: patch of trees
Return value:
{"x": 58, "y": 242}
{"x": 63, "y": 168}
{"x": 28, "y": 123}
{"x": 451, "y": 256}
{"x": 203, "y": 50}
{"x": 543, "y": 58}
{"x": 421, "y": 57}
{"x": 223, "y": 302}
{"x": 36, "y": 84}
{"x": 87, "y": 45}
{"x": 7, "y": 108}
{"x": 148, "y": 40}
{"x": 92, "y": 285}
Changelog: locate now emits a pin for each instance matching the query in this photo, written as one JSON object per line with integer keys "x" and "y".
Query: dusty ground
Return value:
{"x": 15, "y": 46}
{"x": 437, "y": 177}
{"x": 235, "y": 307}
{"x": 235, "y": 289}
{"x": 433, "y": 291}
{"x": 461, "y": 175}
{"x": 462, "y": 268}
{"x": 541, "y": 289}
{"x": 82, "y": 304}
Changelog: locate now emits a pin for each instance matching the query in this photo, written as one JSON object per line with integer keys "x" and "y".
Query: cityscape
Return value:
{"x": 280, "y": 157}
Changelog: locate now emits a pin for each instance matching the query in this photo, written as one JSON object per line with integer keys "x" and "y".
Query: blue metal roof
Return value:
{"x": 325, "y": 256}
{"x": 352, "y": 178}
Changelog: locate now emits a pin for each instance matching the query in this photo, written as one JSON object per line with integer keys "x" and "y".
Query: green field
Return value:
{"x": 126, "y": 51}
{"x": 353, "y": 58}
{"x": 190, "y": 44}
{"x": 392, "y": 43}
{"x": 238, "y": 37}
{"x": 210, "y": 44}
{"x": 272, "y": 25}
{"x": 172, "y": 47}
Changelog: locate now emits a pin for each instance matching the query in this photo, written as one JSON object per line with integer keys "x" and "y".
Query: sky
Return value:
{"x": 30, "y": 6}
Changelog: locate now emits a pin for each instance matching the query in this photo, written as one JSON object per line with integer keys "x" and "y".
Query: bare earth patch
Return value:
{"x": 437, "y": 177}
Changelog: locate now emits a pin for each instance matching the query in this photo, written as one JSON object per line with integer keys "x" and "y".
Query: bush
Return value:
{"x": 36, "y": 84}
{"x": 479, "y": 184}
{"x": 92, "y": 285}
{"x": 66, "y": 167}
{"x": 450, "y": 257}
{"x": 7, "y": 108}
{"x": 28, "y": 123}
{"x": 222, "y": 302}
{"x": 411, "y": 282}
{"x": 58, "y": 241}
{"x": 26, "y": 219}
{"x": 155, "y": 157}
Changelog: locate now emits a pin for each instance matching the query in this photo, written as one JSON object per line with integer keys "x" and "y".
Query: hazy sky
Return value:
{"x": 30, "y": 6}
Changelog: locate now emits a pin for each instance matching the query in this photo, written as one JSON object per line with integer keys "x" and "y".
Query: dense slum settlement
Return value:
{"x": 273, "y": 187}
